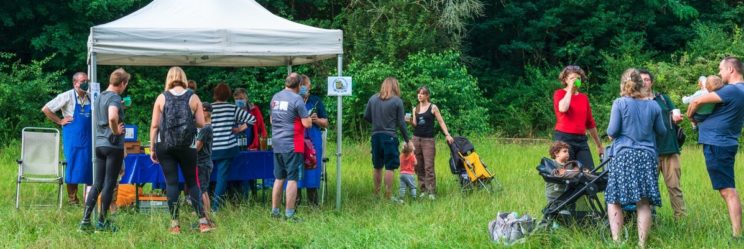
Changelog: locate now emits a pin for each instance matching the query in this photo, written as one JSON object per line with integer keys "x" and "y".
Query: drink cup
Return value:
{"x": 408, "y": 116}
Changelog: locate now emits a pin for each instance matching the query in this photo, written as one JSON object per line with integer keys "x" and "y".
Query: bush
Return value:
{"x": 453, "y": 89}
{"x": 25, "y": 89}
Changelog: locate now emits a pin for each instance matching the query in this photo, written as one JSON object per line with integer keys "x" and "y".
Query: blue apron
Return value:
{"x": 311, "y": 178}
{"x": 76, "y": 137}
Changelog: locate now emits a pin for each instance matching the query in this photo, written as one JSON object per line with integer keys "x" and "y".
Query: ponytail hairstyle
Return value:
{"x": 631, "y": 84}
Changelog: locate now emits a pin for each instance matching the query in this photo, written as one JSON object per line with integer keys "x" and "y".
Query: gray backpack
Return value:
{"x": 177, "y": 127}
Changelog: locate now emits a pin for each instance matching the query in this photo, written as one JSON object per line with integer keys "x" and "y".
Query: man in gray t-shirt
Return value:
{"x": 289, "y": 118}
{"x": 104, "y": 135}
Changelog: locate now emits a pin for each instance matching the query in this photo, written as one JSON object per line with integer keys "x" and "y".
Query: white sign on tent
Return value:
{"x": 339, "y": 86}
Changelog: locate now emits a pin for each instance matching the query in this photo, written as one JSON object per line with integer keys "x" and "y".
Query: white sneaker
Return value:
{"x": 432, "y": 197}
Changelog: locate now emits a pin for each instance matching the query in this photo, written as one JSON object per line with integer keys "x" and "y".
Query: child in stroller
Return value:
{"x": 566, "y": 182}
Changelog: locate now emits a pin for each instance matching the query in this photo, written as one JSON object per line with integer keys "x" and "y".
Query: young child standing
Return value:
{"x": 407, "y": 162}
{"x": 204, "y": 157}
{"x": 559, "y": 153}
{"x": 709, "y": 84}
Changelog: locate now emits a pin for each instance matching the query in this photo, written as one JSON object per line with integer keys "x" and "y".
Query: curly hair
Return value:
{"x": 568, "y": 70}
{"x": 557, "y": 147}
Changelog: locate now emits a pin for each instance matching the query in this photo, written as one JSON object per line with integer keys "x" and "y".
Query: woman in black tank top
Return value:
{"x": 423, "y": 140}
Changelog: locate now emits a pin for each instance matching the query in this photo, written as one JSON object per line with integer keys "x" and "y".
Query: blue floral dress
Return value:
{"x": 633, "y": 175}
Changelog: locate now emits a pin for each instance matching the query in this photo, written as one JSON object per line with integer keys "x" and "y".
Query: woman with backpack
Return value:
{"x": 175, "y": 116}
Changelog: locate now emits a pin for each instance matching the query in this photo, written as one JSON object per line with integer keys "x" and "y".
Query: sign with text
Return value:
{"x": 339, "y": 86}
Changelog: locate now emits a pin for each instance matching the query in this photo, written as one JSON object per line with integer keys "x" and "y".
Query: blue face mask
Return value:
{"x": 240, "y": 103}
{"x": 303, "y": 90}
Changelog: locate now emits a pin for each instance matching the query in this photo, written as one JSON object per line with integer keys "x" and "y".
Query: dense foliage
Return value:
{"x": 491, "y": 65}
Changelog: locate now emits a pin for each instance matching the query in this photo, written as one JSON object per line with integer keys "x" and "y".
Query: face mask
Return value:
{"x": 303, "y": 90}
{"x": 240, "y": 103}
{"x": 84, "y": 86}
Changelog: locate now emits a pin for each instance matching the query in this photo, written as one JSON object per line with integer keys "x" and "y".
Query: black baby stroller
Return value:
{"x": 467, "y": 165}
{"x": 580, "y": 188}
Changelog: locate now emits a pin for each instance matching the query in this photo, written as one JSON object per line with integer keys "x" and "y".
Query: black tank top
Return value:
{"x": 424, "y": 124}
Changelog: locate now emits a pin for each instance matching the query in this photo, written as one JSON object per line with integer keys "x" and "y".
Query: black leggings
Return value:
{"x": 108, "y": 165}
{"x": 170, "y": 160}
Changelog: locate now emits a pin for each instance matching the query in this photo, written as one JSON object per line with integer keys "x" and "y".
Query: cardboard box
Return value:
{"x": 151, "y": 203}
{"x": 133, "y": 147}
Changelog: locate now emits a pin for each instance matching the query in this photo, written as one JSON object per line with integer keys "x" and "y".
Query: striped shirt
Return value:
{"x": 225, "y": 116}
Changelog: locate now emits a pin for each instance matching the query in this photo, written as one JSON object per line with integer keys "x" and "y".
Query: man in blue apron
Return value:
{"x": 315, "y": 107}
{"x": 76, "y": 133}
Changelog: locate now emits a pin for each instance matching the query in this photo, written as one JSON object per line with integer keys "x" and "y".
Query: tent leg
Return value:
{"x": 339, "y": 133}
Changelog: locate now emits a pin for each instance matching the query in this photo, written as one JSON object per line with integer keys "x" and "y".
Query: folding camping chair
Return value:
{"x": 39, "y": 161}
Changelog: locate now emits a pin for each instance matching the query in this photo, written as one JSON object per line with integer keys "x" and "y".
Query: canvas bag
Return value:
{"x": 509, "y": 228}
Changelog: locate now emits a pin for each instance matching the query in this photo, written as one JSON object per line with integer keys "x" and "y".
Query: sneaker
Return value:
{"x": 422, "y": 195}
{"x": 293, "y": 219}
{"x": 85, "y": 227}
{"x": 106, "y": 226}
{"x": 175, "y": 230}
{"x": 203, "y": 228}
{"x": 397, "y": 200}
{"x": 432, "y": 197}
{"x": 276, "y": 215}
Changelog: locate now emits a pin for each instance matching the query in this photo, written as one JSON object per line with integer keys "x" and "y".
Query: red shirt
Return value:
{"x": 407, "y": 163}
{"x": 578, "y": 118}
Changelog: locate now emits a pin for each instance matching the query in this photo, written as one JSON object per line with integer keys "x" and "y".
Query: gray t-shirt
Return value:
{"x": 104, "y": 136}
{"x": 287, "y": 108}
{"x": 386, "y": 116}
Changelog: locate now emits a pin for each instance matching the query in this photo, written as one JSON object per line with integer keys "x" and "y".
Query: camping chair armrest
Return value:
{"x": 19, "y": 161}
{"x": 63, "y": 163}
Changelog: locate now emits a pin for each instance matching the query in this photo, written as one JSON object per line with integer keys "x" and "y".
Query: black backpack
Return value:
{"x": 177, "y": 127}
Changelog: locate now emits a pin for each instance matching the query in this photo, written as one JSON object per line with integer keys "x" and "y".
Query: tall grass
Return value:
{"x": 453, "y": 220}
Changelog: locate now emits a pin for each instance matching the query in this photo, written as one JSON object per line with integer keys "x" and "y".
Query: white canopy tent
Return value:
{"x": 223, "y": 33}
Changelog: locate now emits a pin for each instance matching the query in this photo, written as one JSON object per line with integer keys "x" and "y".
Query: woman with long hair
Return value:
{"x": 385, "y": 112}
{"x": 167, "y": 120}
{"x": 423, "y": 139}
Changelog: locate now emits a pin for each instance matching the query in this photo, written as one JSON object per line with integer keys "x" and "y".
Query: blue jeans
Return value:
{"x": 222, "y": 166}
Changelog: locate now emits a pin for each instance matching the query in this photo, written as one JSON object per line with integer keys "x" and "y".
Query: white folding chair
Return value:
{"x": 39, "y": 161}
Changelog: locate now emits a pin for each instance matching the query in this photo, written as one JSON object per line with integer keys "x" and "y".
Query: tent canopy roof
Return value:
{"x": 210, "y": 33}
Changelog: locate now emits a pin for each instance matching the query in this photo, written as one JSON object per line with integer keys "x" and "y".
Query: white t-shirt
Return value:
{"x": 66, "y": 102}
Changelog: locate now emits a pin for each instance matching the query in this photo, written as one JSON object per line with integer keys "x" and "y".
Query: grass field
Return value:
{"x": 453, "y": 220}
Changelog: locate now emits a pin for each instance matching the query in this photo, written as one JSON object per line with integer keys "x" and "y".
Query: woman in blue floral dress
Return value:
{"x": 635, "y": 122}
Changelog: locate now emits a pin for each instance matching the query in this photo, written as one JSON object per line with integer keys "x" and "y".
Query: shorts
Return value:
{"x": 205, "y": 173}
{"x": 719, "y": 160}
{"x": 385, "y": 151}
{"x": 288, "y": 166}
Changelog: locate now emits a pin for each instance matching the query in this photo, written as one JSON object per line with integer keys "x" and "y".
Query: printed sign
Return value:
{"x": 339, "y": 86}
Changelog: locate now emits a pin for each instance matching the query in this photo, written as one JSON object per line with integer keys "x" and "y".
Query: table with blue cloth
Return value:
{"x": 248, "y": 165}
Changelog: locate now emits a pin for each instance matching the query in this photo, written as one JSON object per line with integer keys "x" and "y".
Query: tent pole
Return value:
{"x": 338, "y": 137}
{"x": 289, "y": 66}
{"x": 93, "y": 77}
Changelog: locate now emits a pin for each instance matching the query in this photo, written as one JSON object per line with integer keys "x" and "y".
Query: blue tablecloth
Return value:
{"x": 248, "y": 165}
